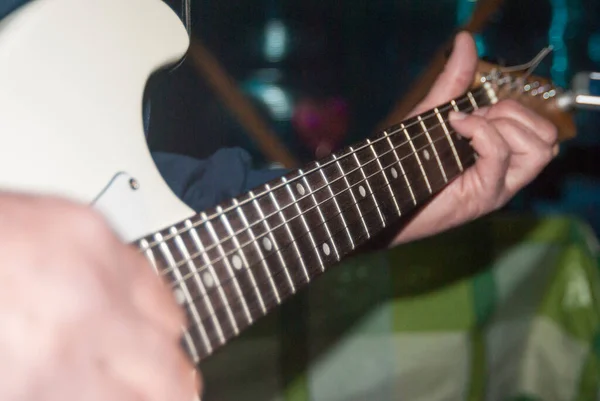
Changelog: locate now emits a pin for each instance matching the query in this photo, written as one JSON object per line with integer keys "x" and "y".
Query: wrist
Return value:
{"x": 444, "y": 212}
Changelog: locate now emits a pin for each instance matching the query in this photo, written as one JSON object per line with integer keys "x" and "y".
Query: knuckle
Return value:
{"x": 463, "y": 80}
{"x": 551, "y": 131}
{"x": 481, "y": 127}
{"x": 503, "y": 151}
{"x": 541, "y": 157}
{"x": 502, "y": 124}
{"x": 506, "y": 108}
{"x": 546, "y": 156}
{"x": 510, "y": 105}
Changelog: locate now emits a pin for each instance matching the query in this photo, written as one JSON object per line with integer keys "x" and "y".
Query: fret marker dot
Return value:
{"x": 237, "y": 262}
{"x": 179, "y": 296}
{"x": 267, "y": 244}
{"x": 300, "y": 189}
{"x": 208, "y": 279}
{"x": 326, "y": 249}
{"x": 426, "y": 154}
{"x": 394, "y": 173}
{"x": 363, "y": 191}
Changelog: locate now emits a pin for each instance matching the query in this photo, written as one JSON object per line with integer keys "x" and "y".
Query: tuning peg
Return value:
{"x": 584, "y": 93}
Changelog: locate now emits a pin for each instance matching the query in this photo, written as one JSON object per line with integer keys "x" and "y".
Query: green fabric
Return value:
{"x": 506, "y": 308}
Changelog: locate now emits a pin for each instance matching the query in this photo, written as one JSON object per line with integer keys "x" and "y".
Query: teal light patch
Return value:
{"x": 481, "y": 46}
{"x": 560, "y": 20}
{"x": 464, "y": 11}
{"x": 594, "y": 47}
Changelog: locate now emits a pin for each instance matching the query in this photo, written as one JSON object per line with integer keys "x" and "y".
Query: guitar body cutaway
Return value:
{"x": 72, "y": 77}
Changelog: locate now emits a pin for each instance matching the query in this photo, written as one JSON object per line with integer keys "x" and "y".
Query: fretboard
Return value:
{"x": 231, "y": 265}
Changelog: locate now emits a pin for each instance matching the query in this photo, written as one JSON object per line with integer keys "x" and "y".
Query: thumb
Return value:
{"x": 457, "y": 76}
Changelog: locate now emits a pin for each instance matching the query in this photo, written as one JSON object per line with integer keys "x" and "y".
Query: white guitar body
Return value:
{"x": 72, "y": 77}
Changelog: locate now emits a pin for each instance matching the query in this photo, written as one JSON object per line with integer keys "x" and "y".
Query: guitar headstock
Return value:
{"x": 536, "y": 93}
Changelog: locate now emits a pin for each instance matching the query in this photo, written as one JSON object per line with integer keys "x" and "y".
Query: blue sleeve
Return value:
{"x": 203, "y": 183}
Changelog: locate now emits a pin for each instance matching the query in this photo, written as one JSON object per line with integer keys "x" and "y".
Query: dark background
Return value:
{"x": 351, "y": 61}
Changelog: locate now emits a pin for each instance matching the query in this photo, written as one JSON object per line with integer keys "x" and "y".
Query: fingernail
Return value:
{"x": 555, "y": 150}
{"x": 457, "y": 115}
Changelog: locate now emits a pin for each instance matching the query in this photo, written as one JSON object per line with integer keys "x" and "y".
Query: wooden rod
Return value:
{"x": 482, "y": 13}
{"x": 237, "y": 102}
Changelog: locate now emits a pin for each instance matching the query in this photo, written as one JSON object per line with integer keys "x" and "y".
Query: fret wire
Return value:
{"x": 345, "y": 177}
{"x": 257, "y": 246}
{"x": 435, "y": 153}
{"x": 191, "y": 345}
{"x": 416, "y": 154}
{"x": 454, "y": 105}
{"x": 372, "y": 210}
{"x": 376, "y": 205}
{"x": 350, "y": 187}
{"x": 147, "y": 250}
{"x": 352, "y": 171}
{"x": 336, "y": 205}
{"x": 472, "y": 100}
{"x": 200, "y": 284}
{"x": 450, "y": 141}
{"x": 168, "y": 257}
{"x": 236, "y": 283}
{"x": 385, "y": 178}
{"x": 410, "y": 189}
{"x": 188, "y": 296}
{"x": 215, "y": 280}
{"x": 229, "y": 229}
{"x": 285, "y": 223}
{"x": 317, "y": 204}
{"x": 269, "y": 230}
{"x": 301, "y": 214}
{"x": 453, "y": 102}
{"x": 367, "y": 183}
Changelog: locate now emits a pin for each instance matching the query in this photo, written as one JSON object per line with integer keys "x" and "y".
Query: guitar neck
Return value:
{"x": 231, "y": 265}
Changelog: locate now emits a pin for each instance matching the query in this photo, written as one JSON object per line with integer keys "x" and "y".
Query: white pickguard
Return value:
{"x": 72, "y": 77}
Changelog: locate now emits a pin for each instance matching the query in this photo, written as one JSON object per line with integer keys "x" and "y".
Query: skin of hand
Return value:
{"x": 83, "y": 316}
{"x": 514, "y": 145}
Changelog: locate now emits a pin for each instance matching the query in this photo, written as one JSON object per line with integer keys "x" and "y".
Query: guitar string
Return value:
{"x": 234, "y": 309}
{"x": 464, "y": 99}
{"x": 150, "y": 245}
{"x": 168, "y": 269}
{"x": 349, "y": 206}
{"x": 446, "y": 153}
{"x": 153, "y": 244}
{"x": 205, "y": 251}
{"x": 304, "y": 174}
{"x": 201, "y": 269}
{"x": 253, "y": 307}
{"x": 298, "y": 200}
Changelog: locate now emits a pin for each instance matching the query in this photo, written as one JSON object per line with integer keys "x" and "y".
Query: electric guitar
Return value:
{"x": 72, "y": 77}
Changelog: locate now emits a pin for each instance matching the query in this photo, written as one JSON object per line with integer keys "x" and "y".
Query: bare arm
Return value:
{"x": 83, "y": 316}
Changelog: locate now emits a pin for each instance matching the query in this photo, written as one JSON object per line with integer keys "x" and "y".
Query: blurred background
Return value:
{"x": 505, "y": 308}
{"x": 321, "y": 74}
